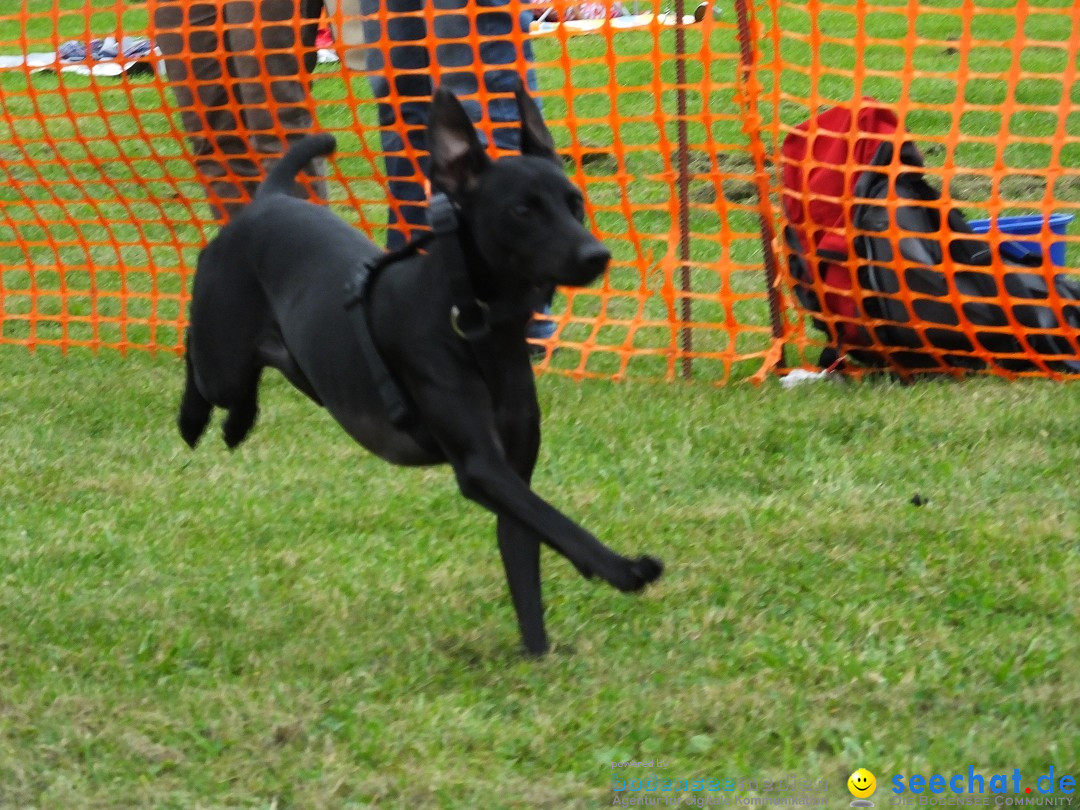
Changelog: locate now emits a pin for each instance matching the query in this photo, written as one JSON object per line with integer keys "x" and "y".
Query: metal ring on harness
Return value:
{"x": 471, "y": 333}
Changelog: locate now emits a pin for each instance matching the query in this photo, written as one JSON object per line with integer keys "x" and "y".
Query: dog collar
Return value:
{"x": 470, "y": 317}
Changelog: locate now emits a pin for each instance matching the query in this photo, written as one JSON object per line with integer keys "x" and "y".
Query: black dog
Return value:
{"x": 426, "y": 363}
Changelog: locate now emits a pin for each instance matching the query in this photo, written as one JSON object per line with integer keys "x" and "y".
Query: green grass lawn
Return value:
{"x": 298, "y": 625}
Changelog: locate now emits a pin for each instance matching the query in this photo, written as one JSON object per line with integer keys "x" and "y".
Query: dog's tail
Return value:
{"x": 282, "y": 175}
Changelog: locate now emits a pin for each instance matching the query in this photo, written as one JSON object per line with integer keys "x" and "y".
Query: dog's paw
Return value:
{"x": 639, "y": 573}
{"x": 233, "y": 437}
{"x": 548, "y": 651}
{"x": 190, "y": 431}
{"x": 237, "y": 426}
{"x": 536, "y": 651}
{"x": 648, "y": 569}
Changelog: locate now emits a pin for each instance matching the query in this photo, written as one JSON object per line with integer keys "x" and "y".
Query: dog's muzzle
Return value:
{"x": 591, "y": 261}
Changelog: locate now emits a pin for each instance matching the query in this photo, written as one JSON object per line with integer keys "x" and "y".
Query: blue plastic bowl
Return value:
{"x": 1030, "y": 225}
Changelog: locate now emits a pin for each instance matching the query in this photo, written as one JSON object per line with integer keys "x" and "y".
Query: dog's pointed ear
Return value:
{"x": 457, "y": 156}
{"x": 536, "y": 140}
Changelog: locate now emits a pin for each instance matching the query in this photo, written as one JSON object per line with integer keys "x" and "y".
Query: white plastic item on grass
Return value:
{"x": 799, "y": 376}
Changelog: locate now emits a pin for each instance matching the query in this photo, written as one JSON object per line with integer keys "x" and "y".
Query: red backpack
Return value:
{"x": 844, "y": 144}
{"x": 889, "y": 301}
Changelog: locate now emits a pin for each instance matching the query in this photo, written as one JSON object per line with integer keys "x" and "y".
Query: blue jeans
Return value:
{"x": 460, "y": 71}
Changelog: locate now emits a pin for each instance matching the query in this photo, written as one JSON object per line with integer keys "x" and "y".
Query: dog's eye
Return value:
{"x": 577, "y": 207}
{"x": 521, "y": 211}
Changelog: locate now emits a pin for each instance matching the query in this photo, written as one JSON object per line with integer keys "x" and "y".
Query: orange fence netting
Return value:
{"x": 671, "y": 116}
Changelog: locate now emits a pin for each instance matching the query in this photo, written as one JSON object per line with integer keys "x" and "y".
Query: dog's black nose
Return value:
{"x": 593, "y": 258}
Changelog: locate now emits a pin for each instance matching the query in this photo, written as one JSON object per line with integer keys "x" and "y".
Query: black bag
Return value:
{"x": 933, "y": 319}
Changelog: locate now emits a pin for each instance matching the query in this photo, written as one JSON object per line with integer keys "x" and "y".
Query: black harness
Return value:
{"x": 470, "y": 318}
{"x": 357, "y": 294}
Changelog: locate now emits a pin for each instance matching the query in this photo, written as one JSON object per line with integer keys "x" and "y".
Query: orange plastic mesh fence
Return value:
{"x": 670, "y": 117}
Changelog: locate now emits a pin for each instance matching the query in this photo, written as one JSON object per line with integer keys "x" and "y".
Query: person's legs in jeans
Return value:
{"x": 497, "y": 63}
{"x": 458, "y": 69}
{"x": 411, "y": 71}
{"x": 204, "y": 72}
{"x": 200, "y": 88}
{"x": 282, "y": 37}
{"x": 503, "y": 39}
{"x": 403, "y": 92}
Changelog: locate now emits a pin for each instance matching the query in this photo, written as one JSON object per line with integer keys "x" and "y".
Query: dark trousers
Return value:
{"x": 460, "y": 68}
{"x": 240, "y": 110}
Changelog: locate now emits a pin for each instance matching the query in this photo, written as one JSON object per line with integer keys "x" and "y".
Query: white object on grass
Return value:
{"x": 799, "y": 376}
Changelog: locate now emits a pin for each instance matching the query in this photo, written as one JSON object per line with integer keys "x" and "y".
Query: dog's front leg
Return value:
{"x": 520, "y": 552}
{"x": 486, "y": 478}
{"x": 463, "y": 423}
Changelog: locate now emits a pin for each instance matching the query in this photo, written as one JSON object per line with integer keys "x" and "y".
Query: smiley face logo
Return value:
{"x": 862, "y": 784}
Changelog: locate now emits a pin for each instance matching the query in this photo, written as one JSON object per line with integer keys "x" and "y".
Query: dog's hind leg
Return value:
{"x": 229, "y": 313}
{"x": 273, "y": 352}
{"x": 270, "y": 350}
{"x": 194, "y": 409}
{"x": 243, "y": 410}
